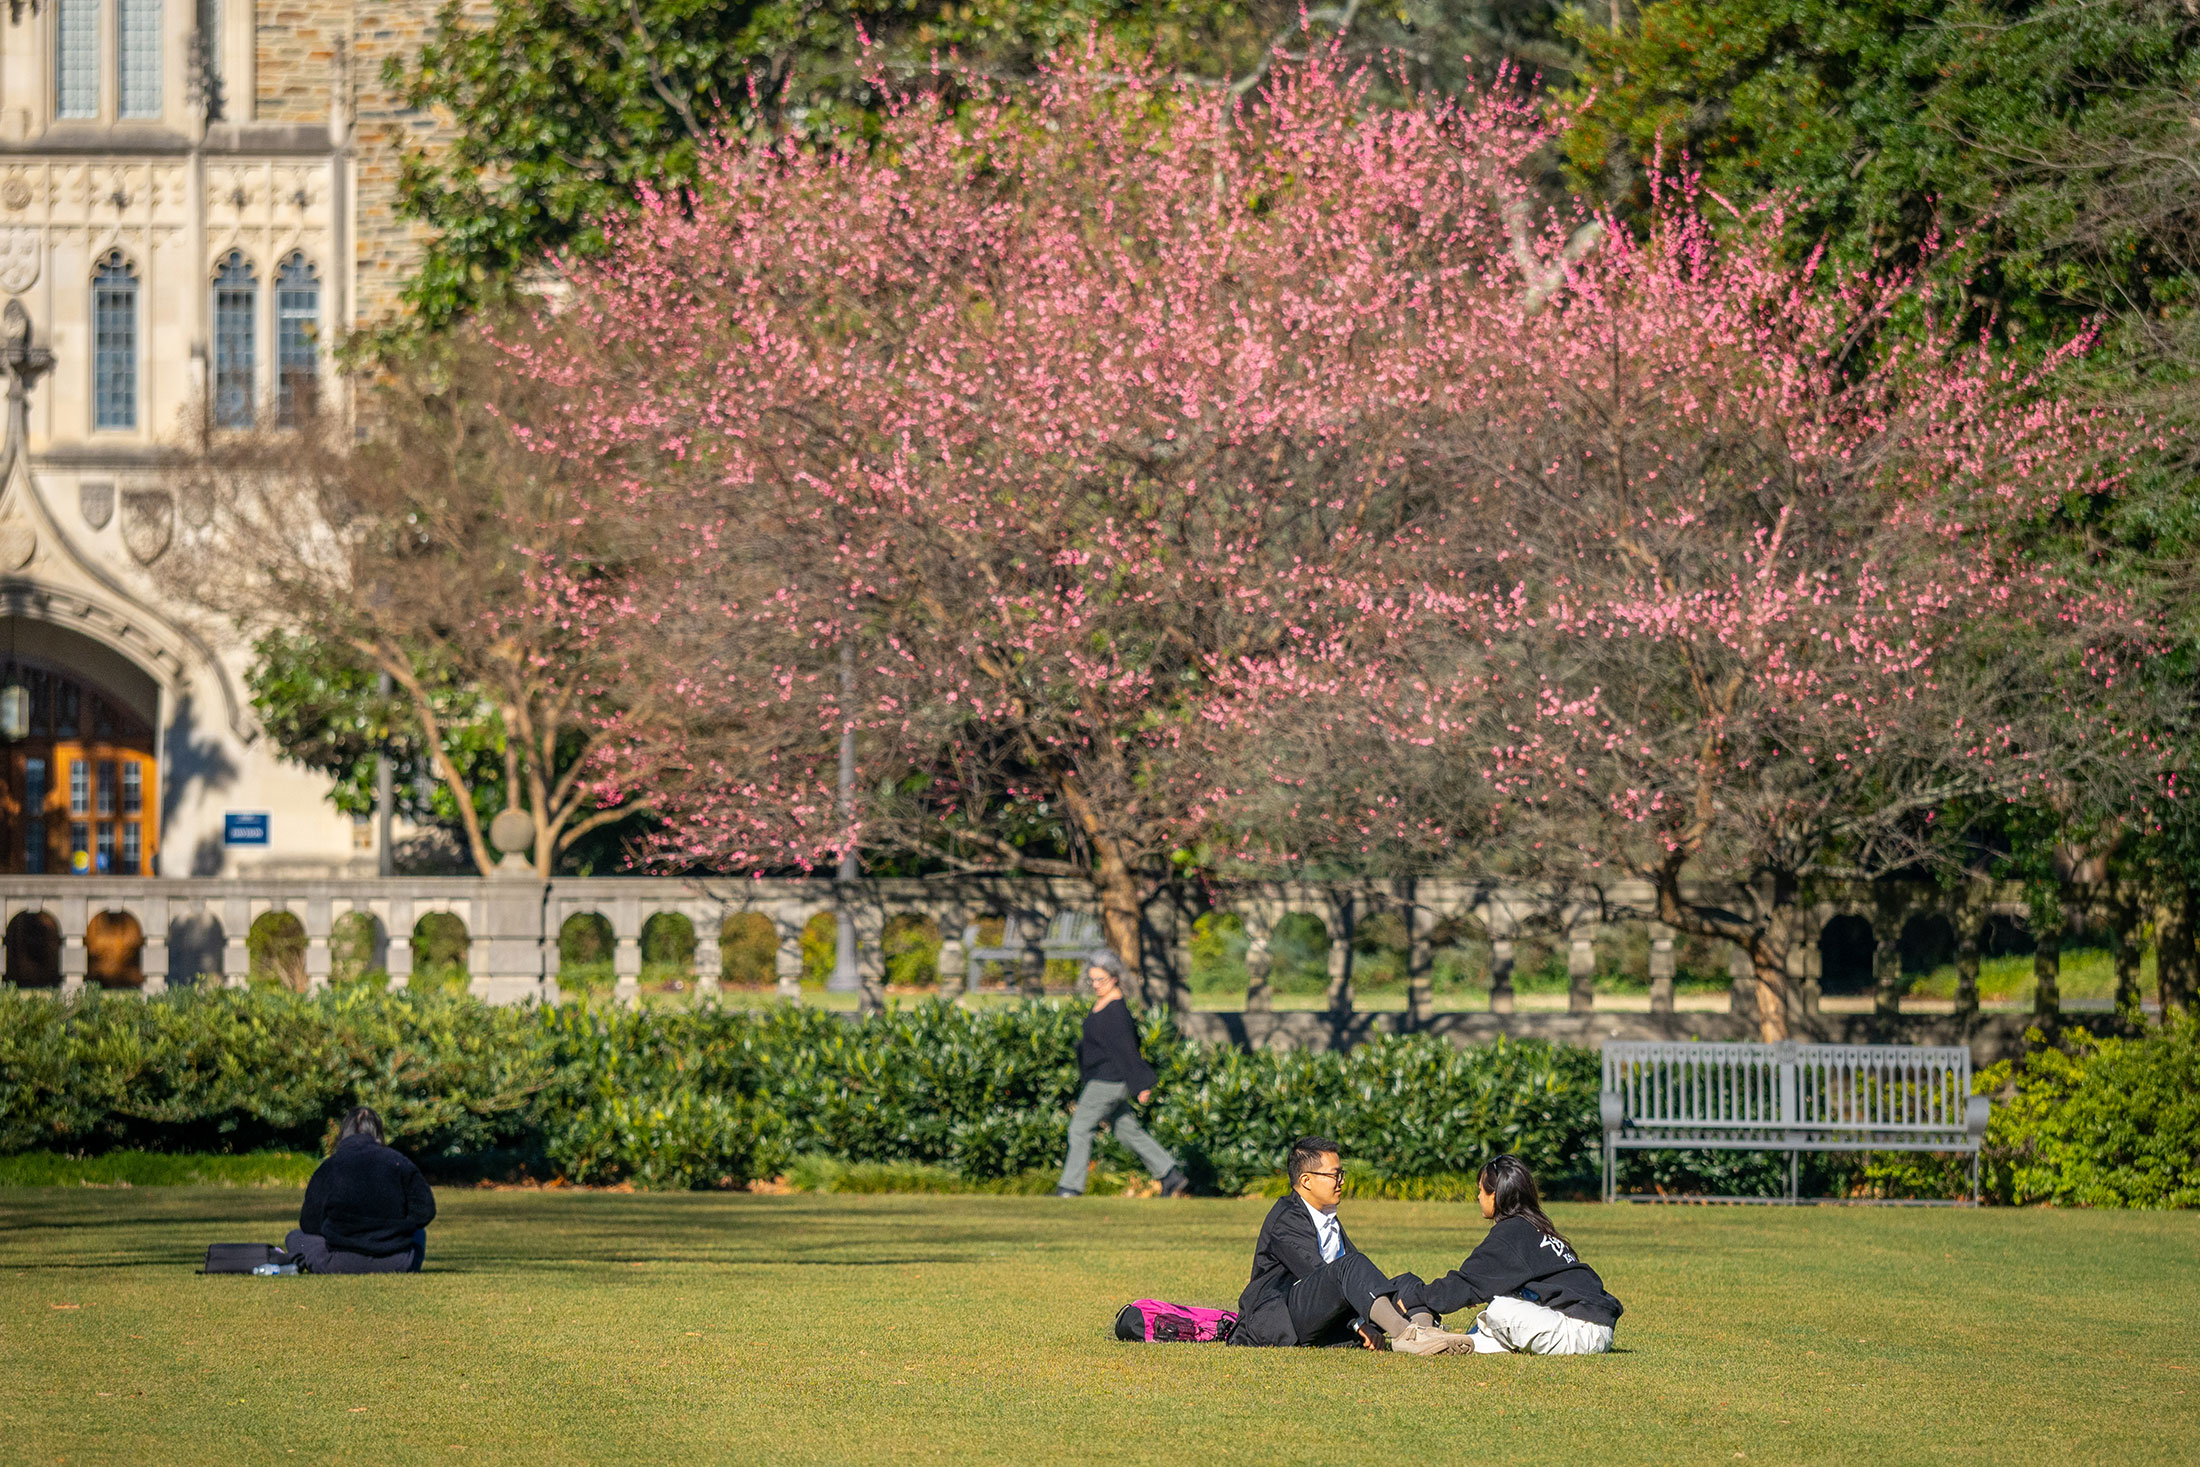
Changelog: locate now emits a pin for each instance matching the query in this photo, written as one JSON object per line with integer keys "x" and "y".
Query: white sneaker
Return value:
{"x": 1427, "y": 1339}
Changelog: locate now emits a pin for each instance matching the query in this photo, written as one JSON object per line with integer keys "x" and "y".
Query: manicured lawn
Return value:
{"x": 564, "y": 1327}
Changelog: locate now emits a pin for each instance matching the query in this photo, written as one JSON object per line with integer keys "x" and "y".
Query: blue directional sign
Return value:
{"x": 244, "y": 830}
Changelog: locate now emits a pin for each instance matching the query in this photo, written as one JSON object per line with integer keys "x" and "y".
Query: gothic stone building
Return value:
{"x": 196, "y": 198}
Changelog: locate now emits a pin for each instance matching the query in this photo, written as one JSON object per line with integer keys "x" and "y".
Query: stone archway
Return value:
{"x": 80, "y": 776}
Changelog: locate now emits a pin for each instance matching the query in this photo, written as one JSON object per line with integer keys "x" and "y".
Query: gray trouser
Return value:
{"x": 318, "y": 1257}
{"x": 1102, "y": 1103}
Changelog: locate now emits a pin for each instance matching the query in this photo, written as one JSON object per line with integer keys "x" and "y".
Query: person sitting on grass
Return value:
{"x": 1111, "y": 1068}
{"x": 1310, "y": 1286}
{"x": 1543, "y": 1300}
{"x": 367, "y": 1207}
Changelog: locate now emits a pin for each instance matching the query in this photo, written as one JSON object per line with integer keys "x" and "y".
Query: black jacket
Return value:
{"x": 1109, "y": 1050}
{"x": 367, "y": 1198}
{"x": 1518, "y": 1261}
{"x": 1287, "y": 1250}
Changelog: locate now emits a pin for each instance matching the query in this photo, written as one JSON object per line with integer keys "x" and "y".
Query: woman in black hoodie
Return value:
{"x": 1543, "y": 1300}
{"x": 1112, "y": 1069}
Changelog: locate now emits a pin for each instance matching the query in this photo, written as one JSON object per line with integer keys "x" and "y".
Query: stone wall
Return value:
{"x": 303, "y": 48}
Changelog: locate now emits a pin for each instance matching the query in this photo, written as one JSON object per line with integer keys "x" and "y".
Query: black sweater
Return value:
{"x": 367, "y": 1198}
{"x": 1109, "y": 1050}
{"x": 1518, "y": 1261}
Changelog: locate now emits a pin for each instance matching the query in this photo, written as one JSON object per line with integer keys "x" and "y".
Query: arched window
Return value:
{"x": 114, "y": 343}
{"x": 137, "y": 57}
{"x": 297, "y": 338}
{"x": 236, "y": 310}
{"x": 76, "y": 58}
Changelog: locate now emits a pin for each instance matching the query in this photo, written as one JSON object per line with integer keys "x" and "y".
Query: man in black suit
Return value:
{"x": 1310, "y": 1286}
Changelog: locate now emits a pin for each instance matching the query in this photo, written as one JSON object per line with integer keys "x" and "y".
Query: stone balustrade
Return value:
{"x": 197, "y": 929}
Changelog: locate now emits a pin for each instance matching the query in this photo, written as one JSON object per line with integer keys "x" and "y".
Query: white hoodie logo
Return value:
{"x": 1565, "y": 1254}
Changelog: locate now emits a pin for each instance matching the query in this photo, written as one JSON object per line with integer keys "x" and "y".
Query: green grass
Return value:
{"x": 562, "y": 1327}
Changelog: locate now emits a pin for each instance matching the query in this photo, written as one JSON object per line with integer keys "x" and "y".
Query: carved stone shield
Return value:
{"x": 19, "y": 254}
{"x": 98, "y": 503}
{"x": 148, "y": 520}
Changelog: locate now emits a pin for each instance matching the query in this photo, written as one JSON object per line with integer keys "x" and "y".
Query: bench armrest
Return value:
{"x": 1611, "y": 1110}
{"x": 1977, "y": 1111}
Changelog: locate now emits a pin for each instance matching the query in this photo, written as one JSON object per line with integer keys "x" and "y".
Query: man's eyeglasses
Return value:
{"x": 1338, "y": 1174}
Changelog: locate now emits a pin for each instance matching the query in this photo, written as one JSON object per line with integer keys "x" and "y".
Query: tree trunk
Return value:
{"x": 1121, "y": 913}
{"x": 2176, "y": 964}
{"x": 1769, "y": 964}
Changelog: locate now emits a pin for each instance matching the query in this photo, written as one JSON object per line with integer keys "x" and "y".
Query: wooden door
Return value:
{"x": 80, "y": 792}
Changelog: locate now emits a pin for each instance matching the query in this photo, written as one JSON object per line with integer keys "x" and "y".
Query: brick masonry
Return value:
{"x": 303, "y": 48}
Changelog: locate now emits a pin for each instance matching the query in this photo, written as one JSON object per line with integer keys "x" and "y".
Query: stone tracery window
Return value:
{"x": 76, "y": 58}
{"x": 236, "y": 313}
{"x": 138, "y": 57}
{"x": 114, "y": 343}
{"x": 297, "y": 333}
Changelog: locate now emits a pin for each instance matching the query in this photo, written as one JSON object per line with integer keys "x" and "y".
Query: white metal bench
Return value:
{"x": 1069, "y": 935}
{"x": 1788, "y": 1097}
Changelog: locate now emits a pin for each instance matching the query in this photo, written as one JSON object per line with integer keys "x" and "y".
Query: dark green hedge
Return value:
{"x": 682, "y": 1098}
{"x": 714, "y": 1097}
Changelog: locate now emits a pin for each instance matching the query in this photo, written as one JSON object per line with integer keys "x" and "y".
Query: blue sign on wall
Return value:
{"x": 244, "y": 830}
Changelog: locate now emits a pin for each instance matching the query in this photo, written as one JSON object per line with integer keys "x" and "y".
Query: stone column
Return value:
{"x": 1741, "y": 974}
{"x": 1502, "y": 954}
{"x": 1814, "y": 964}
{"x": 236, "y": 941}
{"x": 1970, "y": 925}
{"x": 319, "y": 920}
{"x": 2047, "y": 969}
{"x": 1259, "y": 926}
{"x": 152, "y": 915}
{"x": 954, "y": 966}
{"x": 1420, "y": 958}
{"x": 74, "y": 915}
{"x": 397, "y": 932}
{"x": 1340, "y": 955}
{"x": 787, "y": 953}
{"x": 1887, "y": 963}
{"x": 707, "y": 966}
{"x": 626, "y": 949}
{"x": 1661, "y": 968}
{"x": 1581, "y": 967}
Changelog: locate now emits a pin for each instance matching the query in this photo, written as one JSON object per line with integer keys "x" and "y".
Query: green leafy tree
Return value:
{"x": 1887, "y": 122}
{"x": 566, "y": 110}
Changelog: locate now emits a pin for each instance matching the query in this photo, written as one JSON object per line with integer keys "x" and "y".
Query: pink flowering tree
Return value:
{"x": 1058, "y": 421}
{"x": 1729, "y": 595}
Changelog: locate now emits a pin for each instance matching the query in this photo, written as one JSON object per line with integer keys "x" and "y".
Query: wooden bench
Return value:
{"x": 1788, "y": 1097}
{"x": 1069, "y": 935}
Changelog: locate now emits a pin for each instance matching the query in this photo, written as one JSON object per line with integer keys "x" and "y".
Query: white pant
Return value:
{"x": 1515, "y": 1324}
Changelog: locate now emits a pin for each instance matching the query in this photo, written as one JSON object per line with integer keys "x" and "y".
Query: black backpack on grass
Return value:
{"x": 241, "y": 1257}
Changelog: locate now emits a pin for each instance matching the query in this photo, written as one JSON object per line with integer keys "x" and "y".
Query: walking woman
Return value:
{"x": 1112, "y": 1070}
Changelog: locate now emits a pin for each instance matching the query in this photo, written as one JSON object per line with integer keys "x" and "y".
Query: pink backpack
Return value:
{"x": 1152, "y": 1321}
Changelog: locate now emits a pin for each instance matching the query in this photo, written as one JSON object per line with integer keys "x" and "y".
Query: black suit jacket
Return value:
{"x": 1287, "y": 1250}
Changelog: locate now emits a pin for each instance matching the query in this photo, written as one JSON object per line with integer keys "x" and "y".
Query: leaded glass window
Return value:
{"x": 236, "y": 309}
{"x": 137, "y": 56}
{"x": 114, "y": 343}
{"x": 76, "y": 58}
{"x": 297, "y": 333}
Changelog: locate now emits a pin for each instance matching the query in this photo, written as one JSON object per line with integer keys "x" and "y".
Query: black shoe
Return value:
{"x": 1066, "y": 1192}
{"x": 1175, "y": 1184}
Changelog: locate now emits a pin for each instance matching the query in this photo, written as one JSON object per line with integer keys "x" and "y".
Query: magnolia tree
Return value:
{"x": 1727, "y": 594}
{"x": 1023, "y": 441}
